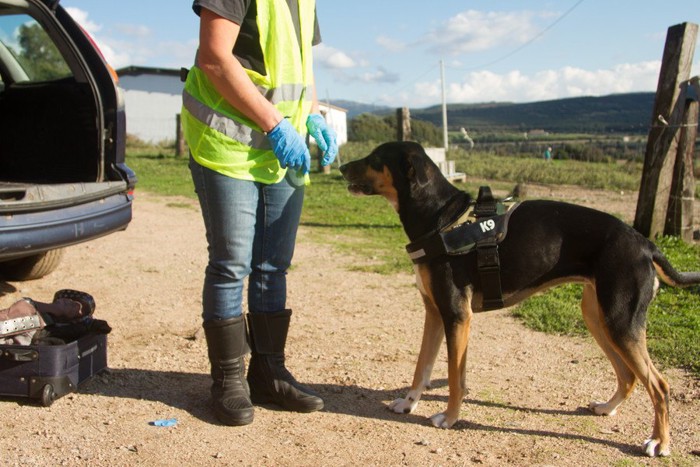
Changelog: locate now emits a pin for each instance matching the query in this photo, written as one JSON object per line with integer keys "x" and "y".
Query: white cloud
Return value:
{"x": 332, "y": 58}
{"x": 82, "y": 18}
{"x": 561, "y": 83}
{"x": 134, "y": 44}
{"x": 380, "y": 75}
{"x": 515, "y": 86}
{"x": 346, "y": 69}
{"x": 392, "y": 45}
{"x": 114, "y": 58}
{"x": 474, "y": 31}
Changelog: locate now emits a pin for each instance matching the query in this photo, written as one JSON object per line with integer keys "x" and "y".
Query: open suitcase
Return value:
{"x": 47, "y": 372}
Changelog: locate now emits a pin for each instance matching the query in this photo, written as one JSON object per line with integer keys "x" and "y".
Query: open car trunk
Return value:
{"x": 63, "y": 178}
{"x": 49, "y": 147}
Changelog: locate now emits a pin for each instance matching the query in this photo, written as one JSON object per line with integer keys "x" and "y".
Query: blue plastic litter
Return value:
{"x": 164, "y": 422}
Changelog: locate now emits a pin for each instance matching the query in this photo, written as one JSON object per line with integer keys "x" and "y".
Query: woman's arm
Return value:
{"x": 217, "y": 36}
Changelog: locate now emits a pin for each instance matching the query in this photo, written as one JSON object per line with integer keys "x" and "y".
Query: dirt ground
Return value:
{"x": 354, "y": 338}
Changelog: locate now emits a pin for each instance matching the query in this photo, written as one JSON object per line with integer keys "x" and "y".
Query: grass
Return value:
{"x": 601, "y": 175}
{"x": 369, "y": 229}
{"x": 161, "y": 172}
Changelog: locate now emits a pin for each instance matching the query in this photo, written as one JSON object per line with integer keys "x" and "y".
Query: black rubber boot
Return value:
{"x": 227, "y": 344}
{"x": 269, "y": 379}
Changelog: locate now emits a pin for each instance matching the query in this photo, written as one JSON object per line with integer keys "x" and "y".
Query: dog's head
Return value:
{"x": 398, "y": 171}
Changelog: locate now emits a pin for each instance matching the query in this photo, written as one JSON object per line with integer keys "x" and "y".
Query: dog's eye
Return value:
{"x": 375, "y": 162}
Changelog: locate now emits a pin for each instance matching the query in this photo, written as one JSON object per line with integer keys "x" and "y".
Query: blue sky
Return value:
{"x": 388, "y": 52}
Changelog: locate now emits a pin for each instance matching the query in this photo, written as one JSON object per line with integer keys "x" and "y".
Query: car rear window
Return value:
{"x": 27, "y": 53}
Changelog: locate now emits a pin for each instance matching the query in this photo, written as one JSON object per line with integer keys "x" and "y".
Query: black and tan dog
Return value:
{"x": 547, "y": 243}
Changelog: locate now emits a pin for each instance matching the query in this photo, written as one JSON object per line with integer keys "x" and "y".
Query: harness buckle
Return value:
{"x": 489, "y": 267}
{"x": 487, "y": 257}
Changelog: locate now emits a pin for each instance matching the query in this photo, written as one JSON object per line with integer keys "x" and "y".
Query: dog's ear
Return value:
{"x": 417, "y": 169}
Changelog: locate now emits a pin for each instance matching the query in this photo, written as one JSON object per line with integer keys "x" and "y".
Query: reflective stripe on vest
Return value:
{"x": 222, "y": 138}
{"x": 234, "y": 129}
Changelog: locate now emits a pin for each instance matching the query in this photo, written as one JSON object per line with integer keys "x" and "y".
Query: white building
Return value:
{"x": 153, "y": 99}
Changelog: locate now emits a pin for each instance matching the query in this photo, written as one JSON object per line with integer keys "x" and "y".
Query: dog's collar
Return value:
{"x": 465, "y": 217}
{"x": 462, "y": 218}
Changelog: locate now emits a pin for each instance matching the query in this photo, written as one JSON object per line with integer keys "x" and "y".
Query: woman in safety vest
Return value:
{"x": 245, "y": 117}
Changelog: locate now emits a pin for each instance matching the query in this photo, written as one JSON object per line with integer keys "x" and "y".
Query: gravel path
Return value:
{"x": 355, "y": 338}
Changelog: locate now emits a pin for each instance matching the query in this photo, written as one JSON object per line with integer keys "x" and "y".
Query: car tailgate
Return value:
{"x": 31, "y": 232}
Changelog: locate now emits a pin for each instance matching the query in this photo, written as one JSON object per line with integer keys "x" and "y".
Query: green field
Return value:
{"x": 370, "y": 229}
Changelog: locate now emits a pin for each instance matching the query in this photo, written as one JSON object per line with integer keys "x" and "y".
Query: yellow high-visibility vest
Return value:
{"x": 218, "y": 135}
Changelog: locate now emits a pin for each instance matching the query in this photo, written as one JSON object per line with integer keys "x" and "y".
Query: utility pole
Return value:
{"x": 444, "y": 106}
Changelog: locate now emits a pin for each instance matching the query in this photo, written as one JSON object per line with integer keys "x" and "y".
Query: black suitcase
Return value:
{"x": 47, "y": 372}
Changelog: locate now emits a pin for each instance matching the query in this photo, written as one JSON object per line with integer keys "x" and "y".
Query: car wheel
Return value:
{"x": 31, "y": 267}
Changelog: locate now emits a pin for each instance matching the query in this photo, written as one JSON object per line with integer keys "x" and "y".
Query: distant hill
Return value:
{"x": 617, "y": 113}
{"x": 356, "y": 108}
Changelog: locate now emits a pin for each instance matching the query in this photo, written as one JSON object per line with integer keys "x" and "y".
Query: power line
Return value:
{"x": 527, "y": 43}
{"x": 511, "y": 53}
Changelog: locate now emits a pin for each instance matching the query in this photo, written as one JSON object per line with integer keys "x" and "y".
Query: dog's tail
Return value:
{"x": 670, "y": 276}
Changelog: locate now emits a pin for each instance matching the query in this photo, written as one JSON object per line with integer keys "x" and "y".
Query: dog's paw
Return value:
{"x": 602, "y": 408}
{"x": 440, "y": 420}
{"x": 653, "y": 448}
{"x": 403, "y": 405}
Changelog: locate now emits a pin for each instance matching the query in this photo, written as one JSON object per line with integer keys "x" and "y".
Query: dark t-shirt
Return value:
{"x": 243, "y": 12}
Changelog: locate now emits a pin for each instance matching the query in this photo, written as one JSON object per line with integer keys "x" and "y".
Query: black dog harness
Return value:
{"x": 482, "y": 227}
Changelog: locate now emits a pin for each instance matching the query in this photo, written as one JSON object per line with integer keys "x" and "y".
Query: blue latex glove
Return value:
{"x": 164, "y": 422}
{"x": 325, "y": 137}
{"x": 289, "y": 147}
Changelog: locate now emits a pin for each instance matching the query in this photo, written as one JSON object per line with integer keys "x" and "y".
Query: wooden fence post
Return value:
{"x": 403, "y": 124}
{"x": 662, "y": 144}
{"x": 180, "y": 145}
{"x": 679, "y": 218}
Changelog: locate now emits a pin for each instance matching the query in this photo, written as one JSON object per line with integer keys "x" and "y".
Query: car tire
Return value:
{"x": 31, "y": 267}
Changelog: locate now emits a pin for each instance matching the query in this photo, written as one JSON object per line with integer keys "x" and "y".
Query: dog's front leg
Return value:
{"x": 430, "y": 345}
{"x": 457, "y": 343}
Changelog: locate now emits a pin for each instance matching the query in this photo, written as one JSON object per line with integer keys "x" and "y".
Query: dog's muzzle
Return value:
{"x": 356, "y": 184}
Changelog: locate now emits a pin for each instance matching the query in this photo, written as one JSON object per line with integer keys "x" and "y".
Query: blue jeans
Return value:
{"x": 251, "y": 230}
